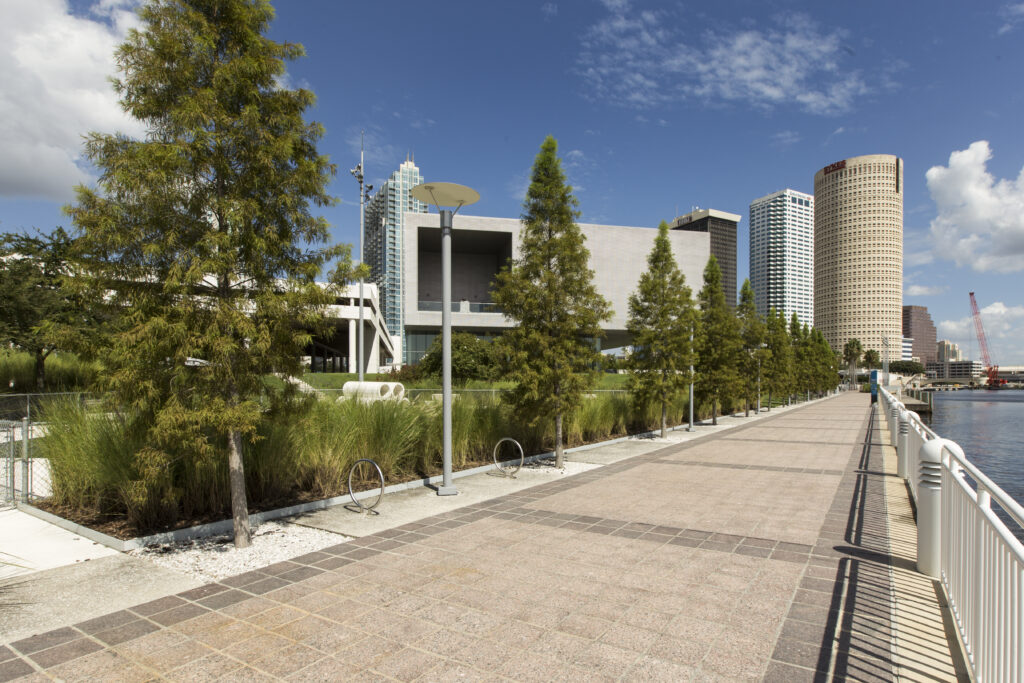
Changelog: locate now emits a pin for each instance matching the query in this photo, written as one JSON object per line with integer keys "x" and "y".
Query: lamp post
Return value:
{"x": 690, "y": 427}
{"x": 357, "y": 172}
{"x": 446, "y": 194}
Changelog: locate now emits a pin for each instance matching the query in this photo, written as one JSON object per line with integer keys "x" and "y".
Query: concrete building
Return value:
{"x": 858, "y": 251}
{"x": 917, "y": 324}
{"x": 963, "y": 370}
{"x": 481, "y": 246}
{"x": 337, "y": 350}
{"x": 908, "y": 350}
{"x": 721, "y": 226}
{"x": 383, "y": 248}
{"x": 947, "y": 350}
{"x": 782, "y": 254}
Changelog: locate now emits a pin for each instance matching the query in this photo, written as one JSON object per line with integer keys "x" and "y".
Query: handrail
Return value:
{"x": 1001, "y": 497}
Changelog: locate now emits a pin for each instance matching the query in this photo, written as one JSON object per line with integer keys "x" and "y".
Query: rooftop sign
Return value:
{"x": 839, "y": 165}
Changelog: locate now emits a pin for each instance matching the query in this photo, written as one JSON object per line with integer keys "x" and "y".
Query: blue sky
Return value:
{"x": 658, "y": 107}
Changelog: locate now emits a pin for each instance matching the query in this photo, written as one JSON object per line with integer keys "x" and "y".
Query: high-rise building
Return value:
{"x": 383, "y": 243}
{"x": 947, "y": 350}
{"x": 782, "y": 254}
{"x": 918, "y": 325}
{"x": 858, "y": 252}
{"x": 722, "y": 228}
{"x": 907, "y": 352}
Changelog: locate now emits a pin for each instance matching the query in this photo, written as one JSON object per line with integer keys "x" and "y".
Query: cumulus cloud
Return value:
{"x": 56, "y": 65}
{"x": 1012, "y": 16}
{"x": 1004, "y": 329}
{"x": 639, "y": 58}
{"x": 980, "y": 221}
{"x": 924, "y": 290}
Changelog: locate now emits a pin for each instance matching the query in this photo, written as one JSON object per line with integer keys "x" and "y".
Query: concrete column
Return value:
{"x": 894, "y": 421}
{"x": 353, "y": 357}
{"x": 903, "y": 445}
{"x": 373, "y": 352}
{"x": 929, "y": 508}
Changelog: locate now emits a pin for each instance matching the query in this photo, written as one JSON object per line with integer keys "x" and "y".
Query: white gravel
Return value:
{"x": 215, "y": 557}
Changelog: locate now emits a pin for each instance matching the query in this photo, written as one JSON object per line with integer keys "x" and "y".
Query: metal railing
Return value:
{"x": 964, "y": 543}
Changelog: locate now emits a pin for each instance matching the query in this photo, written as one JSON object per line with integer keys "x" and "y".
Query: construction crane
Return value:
{"x": 991, "y": 370}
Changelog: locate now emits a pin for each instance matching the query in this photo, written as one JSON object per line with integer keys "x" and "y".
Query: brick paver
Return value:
{"x": 757, "y": 553}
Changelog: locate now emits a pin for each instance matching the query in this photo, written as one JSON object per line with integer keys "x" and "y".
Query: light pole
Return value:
{"x": 358, "y": 173}
{"x": 690, "y": 427}
{"x": 446, "y": 194}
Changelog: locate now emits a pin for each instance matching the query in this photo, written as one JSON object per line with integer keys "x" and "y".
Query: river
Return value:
{"x": 989, "y": 426}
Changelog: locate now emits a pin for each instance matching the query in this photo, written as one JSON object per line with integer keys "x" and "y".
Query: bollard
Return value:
{"x": 903, "y": 444}
{"x": 929, "y": 508}
{"x": 894, "y": 421}
{"x": 24, "y": 461}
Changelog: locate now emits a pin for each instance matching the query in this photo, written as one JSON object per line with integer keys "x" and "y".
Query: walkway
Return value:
{"x": 761, "y": 552}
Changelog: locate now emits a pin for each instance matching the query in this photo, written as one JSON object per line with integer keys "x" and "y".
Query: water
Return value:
{"x": 989, "y": 426}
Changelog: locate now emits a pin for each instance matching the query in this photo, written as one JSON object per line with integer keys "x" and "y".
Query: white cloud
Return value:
{"x": 980, "y": 221}
{"x": 1012, "y": 15}
{"x": 918, "y": 258}
{"x": 637, "y": 58}
{"x": 924, "y": 290}
{"x": 55, "y": 90}
{"x": 549, "y": 10}
{"x": 784, "y": 138}
{"x": 518, "y": 185}
{"x": 1004, "y": 330}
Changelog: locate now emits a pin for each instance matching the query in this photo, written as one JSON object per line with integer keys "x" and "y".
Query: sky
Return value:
{"x": 658, "y": 107}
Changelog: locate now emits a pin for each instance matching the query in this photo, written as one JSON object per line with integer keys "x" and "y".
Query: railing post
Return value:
{"x": 894, "y": 421}
{"x": 929, "y": 508}
{"x": 903, "y": 445}
{"x": 24, "y": 460}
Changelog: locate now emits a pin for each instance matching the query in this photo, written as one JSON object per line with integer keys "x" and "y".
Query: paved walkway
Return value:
{"x": 761, "y": 552}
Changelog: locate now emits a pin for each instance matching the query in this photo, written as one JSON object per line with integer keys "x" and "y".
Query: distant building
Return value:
{"x": 947, "y": 350}
{"x": 963, "y": 370}
{"x": 908, "y": 350}
{"x": 858, "y": 251}
{"x": 335, "y": 349}
{"x": 782, "y": 254}
{"x": 722, "y": 228}
{"x": 918, "y": 325}
{"x": 383, "y": 242}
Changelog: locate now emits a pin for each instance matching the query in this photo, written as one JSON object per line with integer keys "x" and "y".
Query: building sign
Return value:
{"x": 839, "y": 165}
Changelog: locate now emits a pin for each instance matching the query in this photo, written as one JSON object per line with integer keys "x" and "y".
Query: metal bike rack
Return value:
{"x": 352, "y": 494}
{"x": 506, "y": 469}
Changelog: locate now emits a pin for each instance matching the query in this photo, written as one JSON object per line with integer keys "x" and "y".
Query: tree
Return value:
{"x": 803, "y": 365}
{"x": 36, "y": 314}
{"x": 778, "y": 372}
{"x": 472, "y": 358}
{"x": 752, "y": 334}
{"x": 203, "y": 233}
{"x": 718, "y": 343}
{"x": 661, "y": 318}
{"x": 906, "y": 367}
{"x": 826, "y": 371}
{"x": 852, "y": 352}
{"x": 872, "y": 359}
{"x": 549, "y": 293}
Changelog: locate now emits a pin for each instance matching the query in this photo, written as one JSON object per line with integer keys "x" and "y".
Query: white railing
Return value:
{"x": 978, "y": 559}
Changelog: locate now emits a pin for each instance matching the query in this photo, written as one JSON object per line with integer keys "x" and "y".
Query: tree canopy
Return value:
{"x": 472, "y": 358}
{"x": 548, "y": 292}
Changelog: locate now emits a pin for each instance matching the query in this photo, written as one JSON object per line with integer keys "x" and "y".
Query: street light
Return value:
{"x": 446, "y": 194}
{"x": 357, "y": 172}
{"x": 690, "y": 427}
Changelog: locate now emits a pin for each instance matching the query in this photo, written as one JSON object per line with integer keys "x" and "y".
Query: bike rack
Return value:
{"x": 351, "y": 493}
{"x": 506, "y": 469}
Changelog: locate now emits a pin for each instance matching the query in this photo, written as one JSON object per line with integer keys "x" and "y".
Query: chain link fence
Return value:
{"x": 15, "y": 407}
{"x": 24, "y": 477}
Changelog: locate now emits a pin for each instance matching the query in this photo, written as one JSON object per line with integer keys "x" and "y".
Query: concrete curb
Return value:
{"x": 226, "y": 525}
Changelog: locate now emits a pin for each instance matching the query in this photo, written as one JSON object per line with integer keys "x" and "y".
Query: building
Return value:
{"x": 917, "y": 324}
{"x": 336, "y": 349}
{"x": 782, "y": 254}
{"x": 908, "y": 350}
{"x": 947, "y": 350}
{"x": 858, "y": 251}
{"x": 481, "y": 246}
{"x": 384, "y": 251}
{"x": 721, "y": 226}
{"x": 962, "y": 370}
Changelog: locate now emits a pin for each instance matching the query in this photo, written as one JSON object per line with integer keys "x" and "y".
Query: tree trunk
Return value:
{"x": 769, "y": 400}
{"x": 746, "y": 407}
{"x": 714, "y": 410}
{"x": 664, "y": 419}
{"x": 40, "y": 371}
{"x": 559, "y": 455}
{"x": 239, "y": 504}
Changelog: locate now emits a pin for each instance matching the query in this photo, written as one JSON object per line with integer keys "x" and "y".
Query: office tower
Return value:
{"x": 907, "y": 351}
{"x": 918, "y": 325}
{"x": 782, "y": 254}
{"x": 858, "y": 252}
{"x": 722, "y": 228}
{"x": 947, "y": 350}
{"x": 385, "y": 220}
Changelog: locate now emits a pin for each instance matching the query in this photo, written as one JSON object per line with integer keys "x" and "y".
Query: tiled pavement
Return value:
{"x": 757, "y": 553}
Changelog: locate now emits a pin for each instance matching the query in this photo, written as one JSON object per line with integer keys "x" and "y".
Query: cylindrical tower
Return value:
{"x": 858, "y": 252}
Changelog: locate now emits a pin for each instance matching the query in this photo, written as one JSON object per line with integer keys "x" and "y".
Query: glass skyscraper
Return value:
{"x": 383, "y": 242}
{"x": 782, "y": 254}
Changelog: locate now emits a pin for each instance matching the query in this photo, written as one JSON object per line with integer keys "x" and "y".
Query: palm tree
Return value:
{"x": 851, "y": 355}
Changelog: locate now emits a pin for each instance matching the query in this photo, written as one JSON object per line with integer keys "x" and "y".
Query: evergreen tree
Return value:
{"x": 754, "y": 354}
{"x": 718, "y": 345}
{"x": 472, "y": 358}
{"x": 779, "y": 371}
{"x": 852, "y": 352}
{"x": 549, "y": 293}
{"x": 826, "y": 369}
{"x": 803, "y": 366}
{"x": 203, "y": 232}
{"x": 661, "y": 318}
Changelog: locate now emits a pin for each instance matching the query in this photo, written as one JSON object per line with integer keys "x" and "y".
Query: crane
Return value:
{"x": 991, "y": 370}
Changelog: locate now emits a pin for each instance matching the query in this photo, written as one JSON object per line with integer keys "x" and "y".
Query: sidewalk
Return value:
{"x": 761, "y": 552}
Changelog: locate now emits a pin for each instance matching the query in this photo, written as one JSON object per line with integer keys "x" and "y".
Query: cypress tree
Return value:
{"x": 778, "y": 372}
{"x": 718, "y": 345}
{"x": 204, "y": 234}
{"x": 661, "y": 318}
{"x": 752, "y": 332}
{"x": 549, "y": 293}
